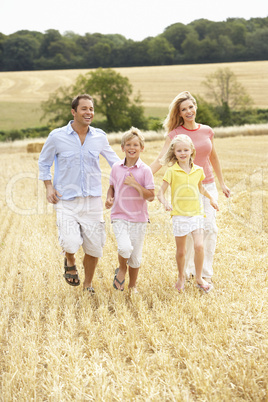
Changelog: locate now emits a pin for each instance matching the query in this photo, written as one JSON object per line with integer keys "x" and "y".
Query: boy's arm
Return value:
{"x": 161, "y": 196}
{"x": 110, "y": 197}
{"x": 204, "y": 192}
{"x": 147, "y": 194}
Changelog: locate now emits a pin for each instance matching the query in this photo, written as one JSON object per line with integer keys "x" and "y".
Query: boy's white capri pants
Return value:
{"x": 80, "y": 223}
{"x": 130, "y": 237}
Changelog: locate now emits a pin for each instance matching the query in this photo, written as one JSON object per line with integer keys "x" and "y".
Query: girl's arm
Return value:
{"x": 147, "y": 194}
{"x": 110, "y": 197}
{"x": 156, "y": 165}
{"x": 203, "y": 191}
{"x": 214, "y": 159}
{"x": 161, "y": 196}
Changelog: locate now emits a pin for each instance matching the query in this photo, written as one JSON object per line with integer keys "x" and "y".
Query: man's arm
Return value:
{"x": 109, "y": 154}
{"x": 45, "y": 162}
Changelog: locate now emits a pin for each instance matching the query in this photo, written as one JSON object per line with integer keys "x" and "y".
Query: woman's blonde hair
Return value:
{"x": 173, "y": 118}
{"x": 132, "y": 133}
{"x": 169, "y": 158}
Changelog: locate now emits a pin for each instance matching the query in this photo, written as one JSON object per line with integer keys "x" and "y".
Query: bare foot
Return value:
{"x": 179, "y": 285}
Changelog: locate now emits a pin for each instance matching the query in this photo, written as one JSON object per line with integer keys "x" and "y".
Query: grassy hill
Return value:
{"x": 22, "y": 92}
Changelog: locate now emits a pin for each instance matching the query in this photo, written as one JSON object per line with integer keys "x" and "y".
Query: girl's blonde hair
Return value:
{"x": 132, "y": 133}
{"x": 169, "y": 158}
{"x": 173, "y": 119}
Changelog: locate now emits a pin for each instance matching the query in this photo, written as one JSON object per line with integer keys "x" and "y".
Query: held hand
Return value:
{"x": 109, "y": 202}
{"x": 214, "y": 204}
{"x": 53, "y": 195}
{"x": 130, "y": 180}
{"x": 226, "y": 191}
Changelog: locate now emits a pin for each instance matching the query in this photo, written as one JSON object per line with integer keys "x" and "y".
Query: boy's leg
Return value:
{"x": 180, "y": 259}
{"x": 133, "y": 275}
{"x": 137, "y": 235}
{"x": 124, "y": 248}
{"x": 122, "y": 272}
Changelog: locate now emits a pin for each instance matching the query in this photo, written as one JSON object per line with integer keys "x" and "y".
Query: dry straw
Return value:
{"x": 58, "y": 344}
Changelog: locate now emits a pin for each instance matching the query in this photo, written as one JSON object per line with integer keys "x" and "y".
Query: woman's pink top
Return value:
{"x": 201, "y": 138}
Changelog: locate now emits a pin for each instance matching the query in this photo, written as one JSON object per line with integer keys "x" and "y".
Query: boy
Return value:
{"x": 131, "y": 185}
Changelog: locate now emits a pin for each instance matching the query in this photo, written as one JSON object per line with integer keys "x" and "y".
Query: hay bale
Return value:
{"x": 34, "y": 147}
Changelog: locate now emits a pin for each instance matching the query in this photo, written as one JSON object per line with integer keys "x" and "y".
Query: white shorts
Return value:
{"x": 183, "y": 225}
{"x": 80, "y": 223}
{"x": 130, "y": 237}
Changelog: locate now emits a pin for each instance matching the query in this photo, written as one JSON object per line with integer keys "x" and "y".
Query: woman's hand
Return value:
{"x": 226, "y": 190}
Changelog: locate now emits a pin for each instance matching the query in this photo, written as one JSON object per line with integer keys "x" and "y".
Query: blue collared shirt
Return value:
{"x": 77, "y": 170}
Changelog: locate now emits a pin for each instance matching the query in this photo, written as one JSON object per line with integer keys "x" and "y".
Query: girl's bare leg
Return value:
{"x": 180, "y": 259}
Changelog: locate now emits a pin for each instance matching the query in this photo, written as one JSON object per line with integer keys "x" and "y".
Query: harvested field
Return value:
{"x": 58, "y": 344}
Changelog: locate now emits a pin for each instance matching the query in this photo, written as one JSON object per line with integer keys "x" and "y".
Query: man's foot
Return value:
{"x": 71, "y": 274}
{"x": 179, "y": 285}
{"x": 118, "y": 282}
{"x": 90, "y": 290}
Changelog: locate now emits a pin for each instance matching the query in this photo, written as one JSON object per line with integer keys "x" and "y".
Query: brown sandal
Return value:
{"x": 71, "y": 276}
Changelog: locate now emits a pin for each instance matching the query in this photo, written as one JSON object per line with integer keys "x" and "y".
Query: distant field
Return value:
{"x": 157, "y": 85}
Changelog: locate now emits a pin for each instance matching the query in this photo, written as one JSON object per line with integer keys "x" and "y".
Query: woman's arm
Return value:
{"x": 214, "y": 159}
{"x": 156, "y": 165}
{"x": 161, "y": 196}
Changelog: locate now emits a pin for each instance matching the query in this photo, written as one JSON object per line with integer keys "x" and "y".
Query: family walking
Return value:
{"x": 190, "y": 154}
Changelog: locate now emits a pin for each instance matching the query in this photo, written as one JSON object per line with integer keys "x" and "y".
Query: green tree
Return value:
{"x": 223, "y": 90}
{"x": 19, "y": 52}
{"x": 111, "y": 92}
{"x": 206, "y": 113}
{"x": 161, "y": 52}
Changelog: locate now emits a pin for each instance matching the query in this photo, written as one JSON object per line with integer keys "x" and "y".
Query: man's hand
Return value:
{"x": 53, "y": 196}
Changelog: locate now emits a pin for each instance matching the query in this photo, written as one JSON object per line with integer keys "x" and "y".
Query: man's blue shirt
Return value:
{"x": 77, "y": 170}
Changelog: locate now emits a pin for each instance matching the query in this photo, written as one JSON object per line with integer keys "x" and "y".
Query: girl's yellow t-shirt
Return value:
{"x": 185, "y": 195}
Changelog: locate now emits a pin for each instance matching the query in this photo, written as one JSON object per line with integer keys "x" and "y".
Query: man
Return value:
{"x": 76, "y": 189}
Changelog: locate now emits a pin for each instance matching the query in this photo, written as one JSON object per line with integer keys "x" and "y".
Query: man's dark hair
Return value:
{"x": 75, "y": 101}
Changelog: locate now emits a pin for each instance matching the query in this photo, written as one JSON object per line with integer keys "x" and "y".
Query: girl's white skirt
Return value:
{"x": 183, "y": 225}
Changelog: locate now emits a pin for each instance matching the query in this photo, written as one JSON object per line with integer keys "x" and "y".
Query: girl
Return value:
{"x": 185, "y": 180}
{"x": 181, "y": 120}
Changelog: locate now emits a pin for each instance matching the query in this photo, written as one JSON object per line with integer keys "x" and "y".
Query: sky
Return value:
{"x": 135, "y": 19}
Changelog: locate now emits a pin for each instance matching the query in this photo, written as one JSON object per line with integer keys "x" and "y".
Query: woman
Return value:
{"x": 181, "y": 120}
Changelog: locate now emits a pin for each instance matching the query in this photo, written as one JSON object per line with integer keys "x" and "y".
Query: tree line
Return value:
{"x": 227, "y": 103}
{"x": 201, "y": 41}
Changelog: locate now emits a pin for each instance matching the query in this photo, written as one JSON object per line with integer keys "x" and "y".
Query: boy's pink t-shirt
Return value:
{"x": 128, "y": 203}
{"x": 201, "y": 138}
